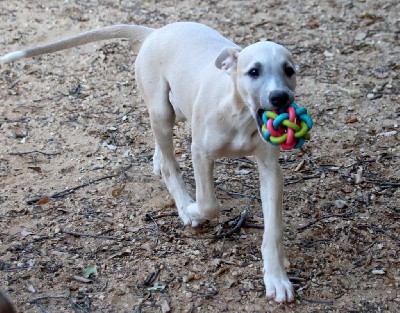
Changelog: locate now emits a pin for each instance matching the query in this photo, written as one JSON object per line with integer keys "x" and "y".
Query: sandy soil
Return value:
{"x": 75, "y": 120}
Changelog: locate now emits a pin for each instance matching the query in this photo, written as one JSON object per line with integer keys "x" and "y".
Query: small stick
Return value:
{"x": 70, "y": 190}
{"x": 208, "y": 295}
{"x": 48, "y": 297}
{"x": 382, "y": 183}
{"x": 88, "y": 235}
{"x": 92, "y": 214}
{"x": 14, "y": 83}
{"x": 242, "y": 219}
{"x": 148, "y": 217}
{"x": 345, "y": 214}
{"x": 35, "y": 151}
{"x": 157, "y": 230}
{"x": 295, "y": 181}
{"x": 377, "y": 182}
{"x": 151, "y": 277}
{"x": 42, "y": 307}
{"x": 238, "y": 194}
{"x": 73, "y": 189}
{"x": 294, "y": 279}
{"x": 250, "y": 225}
{"x": 328, "y": 302}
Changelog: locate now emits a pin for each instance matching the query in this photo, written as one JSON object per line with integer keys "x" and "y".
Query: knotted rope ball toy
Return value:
{"x": 287, "y": 127}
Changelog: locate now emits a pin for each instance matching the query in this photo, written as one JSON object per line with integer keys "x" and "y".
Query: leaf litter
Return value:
{"x": 70, "y": 119}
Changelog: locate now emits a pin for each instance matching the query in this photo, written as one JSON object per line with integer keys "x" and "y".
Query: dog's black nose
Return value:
{"x": 279, "y": 98}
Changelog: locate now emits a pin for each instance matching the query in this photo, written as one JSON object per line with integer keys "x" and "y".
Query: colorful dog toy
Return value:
{"x": 287, "y": 127}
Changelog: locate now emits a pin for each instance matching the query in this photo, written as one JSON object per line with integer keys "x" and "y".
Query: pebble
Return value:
{"x": 378, "y": 272}
{"x": 189, "y": 295}
{"x": 340, "y": 204}
{"x": 165, "y": 308}
{"x": 360, "y": 36}
{"x": 31, "y": 288}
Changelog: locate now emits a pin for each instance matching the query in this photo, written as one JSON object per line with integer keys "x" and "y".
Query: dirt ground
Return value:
{"x": 80, "y": 229}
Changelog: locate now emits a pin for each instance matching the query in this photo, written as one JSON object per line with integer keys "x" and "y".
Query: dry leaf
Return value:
{"x": 35, "y": 168}
{"x": 43, "y": 201}
{"x": 117, "y": 192}
{"x": 90, "y": 270}
{"x": 352, "y": 120}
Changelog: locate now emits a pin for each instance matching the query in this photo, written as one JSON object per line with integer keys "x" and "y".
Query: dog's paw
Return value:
{"x": 278, "y": 289}
{"x": 194, "y": 215}
{"x": 185, "y": 218}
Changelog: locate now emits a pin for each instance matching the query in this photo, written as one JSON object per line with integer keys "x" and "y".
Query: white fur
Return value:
{"x": 12, "y": 56}
{"x": 188, "y": 70}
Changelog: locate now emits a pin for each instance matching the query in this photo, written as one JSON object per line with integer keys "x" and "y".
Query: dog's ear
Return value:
{"x": 227, "y": 59}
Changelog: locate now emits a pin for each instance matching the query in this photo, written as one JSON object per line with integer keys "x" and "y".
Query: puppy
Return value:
{"x": 188, "y": 71}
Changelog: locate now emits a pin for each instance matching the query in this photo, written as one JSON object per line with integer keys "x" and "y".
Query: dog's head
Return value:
{"x": 264, "y": 75}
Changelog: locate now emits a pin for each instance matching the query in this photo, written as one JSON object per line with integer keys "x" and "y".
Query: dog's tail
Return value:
{"x": 137, "y": 34}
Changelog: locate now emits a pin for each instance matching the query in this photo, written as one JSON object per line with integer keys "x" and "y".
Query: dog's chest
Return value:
{"x": 239, "y": 137}
{"x": 243, "y": 143}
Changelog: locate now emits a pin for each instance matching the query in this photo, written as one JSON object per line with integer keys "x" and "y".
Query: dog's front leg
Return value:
{"x": 206, "y": 206}
{"x": 277, "y": 284}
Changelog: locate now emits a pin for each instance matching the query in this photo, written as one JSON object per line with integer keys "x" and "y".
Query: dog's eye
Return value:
{"x": 289, "y": 71}
{"x": 254, "y": 73}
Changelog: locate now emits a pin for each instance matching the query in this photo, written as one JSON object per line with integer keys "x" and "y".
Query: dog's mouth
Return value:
{"x": 259, "y": 119}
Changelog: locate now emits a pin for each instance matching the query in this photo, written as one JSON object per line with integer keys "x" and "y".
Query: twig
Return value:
{"x": 70, "y": 190}
{"x": 148, "y": 217}
{"x": 295, "y": 181}
{"x": 42, "y": 307}
{"x": 376, "y": 182}
{"x": 295, "y": 279}
{"x": 92, "y": 214}
{"x": 151, "y": 277}
{"x": 382, "y": 183}
{"x": 77, "y": 307}
{"x": 239, "y": 224}
{"x": 89, "y": 235}
{"x": 250, "y": 225}
{"x": 14, "y": 83}
{"x": 157, "y": 230}
{"x": 35, "y": 151}
{"x": 321, "y": 301}
{"x": 207, "y": 295}
{"x": 73, "y": 189}
{"x": 345, "y": 214}
{"x": 48, "y": 297}
{"x": 383, "y": 231}
{"x": 238, "y": 194}
{"x": 18, "y": 268}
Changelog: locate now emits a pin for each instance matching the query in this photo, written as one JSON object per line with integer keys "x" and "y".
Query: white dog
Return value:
{"x": 190, "y": 71}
